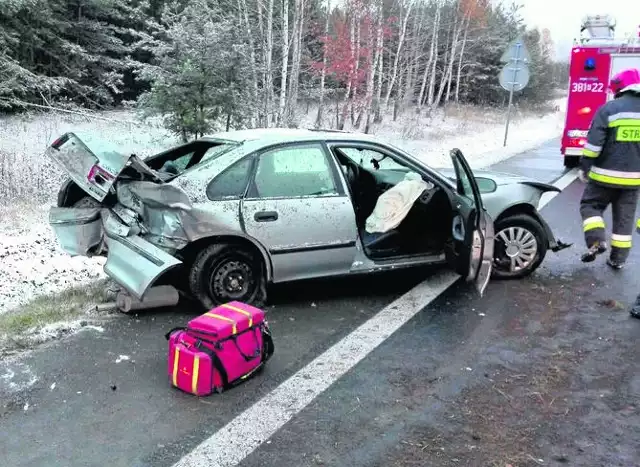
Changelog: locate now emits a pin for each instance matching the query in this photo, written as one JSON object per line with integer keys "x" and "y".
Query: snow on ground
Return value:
{"x": 24, "y": 171}
{"x": 32, "y": 263}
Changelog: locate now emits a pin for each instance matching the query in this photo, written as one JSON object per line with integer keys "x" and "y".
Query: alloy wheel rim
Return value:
{"x": 520, "y": 247}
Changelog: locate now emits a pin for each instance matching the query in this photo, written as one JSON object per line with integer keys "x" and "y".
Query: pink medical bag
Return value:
{"x": 219, "y": 349}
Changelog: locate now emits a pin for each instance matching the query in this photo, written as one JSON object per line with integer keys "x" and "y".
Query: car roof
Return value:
{"x": 284, "y": 135}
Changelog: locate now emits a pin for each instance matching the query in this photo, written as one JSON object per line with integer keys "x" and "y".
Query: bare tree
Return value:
{"x": 242, "y": 8}
{"x": 345, "y": 105}
{"x": 394, "y": 71}
{"x": 298, "y": 24}
{"x": 354, "y": 91}
{"x": 430, "y": 67}
{"x": 460, "y": 57}
{"x": 269, "y": 62}
{"x": 324, "y": 68}
{"x": 377, "y": 117}
{"x": 285, "y": 61}
{"x": 266, "y": 43}
{"x": 412, "y": 59}
{"x": 449, "y": 58}
{"x": 375, "y": 66}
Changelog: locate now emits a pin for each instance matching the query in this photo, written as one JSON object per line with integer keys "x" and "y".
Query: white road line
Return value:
{"x": 561, "y": 183}
{"x": 242, "y": 435}
{"x": 250, "y": 429}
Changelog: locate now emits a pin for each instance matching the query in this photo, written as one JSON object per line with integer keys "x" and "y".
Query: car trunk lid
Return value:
{"x": 94, "y": 172}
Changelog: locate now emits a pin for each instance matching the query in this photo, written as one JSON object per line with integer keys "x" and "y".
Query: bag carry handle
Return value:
{"x": 267, "y": 342}
{"x": 257, "y": 352}
{"x": 168, "y": 334}
{"x": 200, "y": 331}
{"x": 215, "y": 360}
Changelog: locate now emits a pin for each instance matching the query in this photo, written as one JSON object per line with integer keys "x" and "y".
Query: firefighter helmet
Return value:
{"x": 626, "y": 80}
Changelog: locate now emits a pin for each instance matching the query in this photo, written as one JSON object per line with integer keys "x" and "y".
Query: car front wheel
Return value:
{"x": 225, "y": 272}
{"x": 520, "y": 246}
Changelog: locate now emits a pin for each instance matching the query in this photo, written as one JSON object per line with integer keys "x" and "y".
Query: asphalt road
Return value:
{"x": 90, "y": 407}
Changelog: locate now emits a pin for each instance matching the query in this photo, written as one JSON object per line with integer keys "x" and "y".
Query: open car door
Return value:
{"x": 473, "y": 231}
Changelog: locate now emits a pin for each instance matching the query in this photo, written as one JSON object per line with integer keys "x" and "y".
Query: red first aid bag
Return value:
{"x": 219, "y": 349}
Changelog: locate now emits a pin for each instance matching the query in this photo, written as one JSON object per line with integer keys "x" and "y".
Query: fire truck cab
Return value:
{"x": 594, "y": 60}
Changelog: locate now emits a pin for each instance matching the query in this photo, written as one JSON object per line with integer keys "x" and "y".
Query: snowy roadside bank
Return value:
{"x": 32, "y": 264}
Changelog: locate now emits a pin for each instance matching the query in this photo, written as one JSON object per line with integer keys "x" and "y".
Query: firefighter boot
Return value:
{"x": 596, "y": 249}
{"x": 595, "y": 200}
{"x": 613, "y": 264}
{"x": 635, "y": 308}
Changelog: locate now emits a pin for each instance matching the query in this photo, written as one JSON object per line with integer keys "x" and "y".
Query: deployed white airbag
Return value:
{"x": 394, "y": 204}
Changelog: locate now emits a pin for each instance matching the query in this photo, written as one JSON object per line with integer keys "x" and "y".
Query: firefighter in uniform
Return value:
{"x": 635, "y": 309}
{"x": 610, "y": 165}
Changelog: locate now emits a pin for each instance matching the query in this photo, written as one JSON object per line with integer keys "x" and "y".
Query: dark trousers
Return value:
{"x": 595, "y": 200}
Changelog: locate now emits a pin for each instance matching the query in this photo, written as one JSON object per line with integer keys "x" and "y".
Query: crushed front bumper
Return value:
{"x": 555, "y": 245}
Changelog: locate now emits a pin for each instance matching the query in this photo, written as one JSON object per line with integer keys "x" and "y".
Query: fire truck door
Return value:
{"x": 622, "y": 62}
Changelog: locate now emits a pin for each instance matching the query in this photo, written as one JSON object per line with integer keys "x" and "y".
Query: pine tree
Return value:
{"x": 199, "y": 71}
{"x": 78, "y": 49}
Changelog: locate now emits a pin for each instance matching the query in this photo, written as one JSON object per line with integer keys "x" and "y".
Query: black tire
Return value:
{"x": 529, "y": 223}
{"x": 222, "y": 267}
{"x": 571, "y": 161}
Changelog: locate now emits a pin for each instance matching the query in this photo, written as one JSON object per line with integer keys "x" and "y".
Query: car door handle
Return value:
{"x": 266, "y": 216}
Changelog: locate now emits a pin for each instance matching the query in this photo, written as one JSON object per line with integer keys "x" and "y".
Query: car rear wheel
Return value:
{"x": 226, "y": 272}
{"x": 520, "y": 246}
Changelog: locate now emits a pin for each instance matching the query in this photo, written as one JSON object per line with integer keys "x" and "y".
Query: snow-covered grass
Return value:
{"x": 48, "y": 317}
{"x": 31, "y": 262}
{"x": 24, "y": 171}
{"x": 477, "y": 131}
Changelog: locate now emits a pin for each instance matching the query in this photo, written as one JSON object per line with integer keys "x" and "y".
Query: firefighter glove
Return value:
{"x": 582, "y": 176}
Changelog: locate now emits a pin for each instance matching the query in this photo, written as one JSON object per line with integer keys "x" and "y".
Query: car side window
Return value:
{"x": 232, "y": 182}
{"x": 464, "y": 185}
{"x": 296, "y": 171}
{"x": 365, "y": 158}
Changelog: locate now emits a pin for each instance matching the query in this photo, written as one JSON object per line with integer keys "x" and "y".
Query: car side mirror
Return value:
{"x": 486, "y": 185}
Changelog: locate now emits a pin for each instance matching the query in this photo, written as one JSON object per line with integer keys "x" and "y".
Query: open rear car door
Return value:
{"x": 473, "y": 231}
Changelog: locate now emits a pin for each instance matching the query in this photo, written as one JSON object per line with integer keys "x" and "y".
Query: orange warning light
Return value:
{"x": 582, "y": 142}
{"x": 584, "y": 111}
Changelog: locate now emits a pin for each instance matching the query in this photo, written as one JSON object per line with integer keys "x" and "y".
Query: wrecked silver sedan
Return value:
{"x": 221, "y": 217}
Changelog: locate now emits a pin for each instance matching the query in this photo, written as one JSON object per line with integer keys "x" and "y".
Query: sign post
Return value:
{"x": 514, "y": 76}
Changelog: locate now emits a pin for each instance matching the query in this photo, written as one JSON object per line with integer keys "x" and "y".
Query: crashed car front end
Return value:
{"x": 503, "y": 191}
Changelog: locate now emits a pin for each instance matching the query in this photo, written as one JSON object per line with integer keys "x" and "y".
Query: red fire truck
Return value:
{"x": 594, "y": 60}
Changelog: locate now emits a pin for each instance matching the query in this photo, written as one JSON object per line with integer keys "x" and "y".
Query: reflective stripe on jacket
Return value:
{"x": 611, "y": 155}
